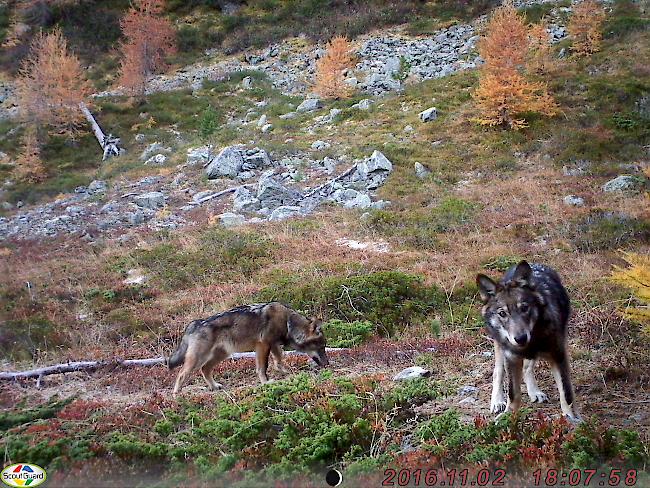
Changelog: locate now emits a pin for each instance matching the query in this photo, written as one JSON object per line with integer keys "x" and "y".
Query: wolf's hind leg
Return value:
{"x": 498, "y": 400}
{"x": 276, "y": 352}
{"x": 189, "y": 366}
{"x": 562, "y": 375}
{"x": 218, "y": 355}
{"x": 534, "y": 393}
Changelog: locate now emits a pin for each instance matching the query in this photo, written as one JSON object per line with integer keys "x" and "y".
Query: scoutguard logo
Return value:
{"x": 23, "y": 474}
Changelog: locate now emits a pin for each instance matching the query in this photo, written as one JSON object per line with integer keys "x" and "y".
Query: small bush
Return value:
{"x": 390, "y": 300}
{"x": 209, "y": 122}
{"x": 606, "y": 230}
{"x": 347, "y": 334}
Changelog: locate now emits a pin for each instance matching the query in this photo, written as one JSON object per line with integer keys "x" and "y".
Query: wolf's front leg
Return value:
{"x": 515, "y": 373}
{"x": 534, "y": 393}
{"x": 262, "y": 351}
{"x": 498, "y": 400}
{"x": 277, "y": 353}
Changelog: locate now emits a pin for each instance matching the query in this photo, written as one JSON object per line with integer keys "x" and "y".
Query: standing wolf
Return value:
{"x": 526, "y": 315}
{"x": 262, "y": 327}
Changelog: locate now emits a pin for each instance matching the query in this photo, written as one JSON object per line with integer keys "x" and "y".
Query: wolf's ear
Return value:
{"x": 317, "y": 326}
{"x": 522, "y": 274}
{"x": 486, "y": 287}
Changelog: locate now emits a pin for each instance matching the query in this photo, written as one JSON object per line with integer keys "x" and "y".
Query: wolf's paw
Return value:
{"x": 498, "y": 406}
{"x": 217, "y": 386}
{"x": 538, "y": 396}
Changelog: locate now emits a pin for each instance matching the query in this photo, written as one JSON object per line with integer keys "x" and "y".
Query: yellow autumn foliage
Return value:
{"x": 636, "y": 277}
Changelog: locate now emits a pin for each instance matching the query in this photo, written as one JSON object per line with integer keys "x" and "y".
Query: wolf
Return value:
{"x": 526, "y": 315}
{"x": 260, "y": 327}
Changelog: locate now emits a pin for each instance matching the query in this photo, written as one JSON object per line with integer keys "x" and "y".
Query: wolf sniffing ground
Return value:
{"x": 261, "y": 327}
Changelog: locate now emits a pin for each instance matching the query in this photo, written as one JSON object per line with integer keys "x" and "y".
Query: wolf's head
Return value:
{"x": 307, "y": 336}
{"x": 511, "y": 308}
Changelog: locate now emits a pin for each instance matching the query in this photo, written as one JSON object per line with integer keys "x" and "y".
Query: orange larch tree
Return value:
{"x": 51, "y": 85}
{"x": 585, "y": 27}
{"x": 330, "y": 81}
{"x": 540, "y": 58}
{"x": 505, "y": 93}
{"x": 149, "y": 39}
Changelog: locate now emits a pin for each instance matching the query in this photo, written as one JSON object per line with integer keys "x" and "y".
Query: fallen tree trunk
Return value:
{"x": 109, "y": 143}
{"x": 93, "y": 365}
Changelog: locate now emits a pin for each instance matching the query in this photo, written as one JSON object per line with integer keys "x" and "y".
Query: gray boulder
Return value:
{"x": 363, "y": 104}
{"x": 247, "y": 83}
{"x": 273, "y": 194}
{"x": 230, "y": 219}
{"x": 244, "y": 200}
{"x": 151, "y": 200}
{"x": 412, "y": 373}
{"x": 429, "y": 114}
{"x": 256, "y": 158}
{"x": 156, "y": 160}
{"x": 624, "y": 184}
{"x": 199, "y": 155}
{"x": 267, "y": 128}
{"x": 421, "y": 171}
{"x": 320, "y": 145}
{"x": 228, "y": 163}
{"x": 284, "y": 212}
{"x": 309, "y": 105}
{"x": 97, "y": 186}
{"x": 573, "y": 201}
{"x": 373, "y": 171}
{"x": 152, "y": 149}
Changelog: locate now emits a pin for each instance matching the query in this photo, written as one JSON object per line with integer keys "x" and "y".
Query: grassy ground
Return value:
{"x": 494, "y": 197}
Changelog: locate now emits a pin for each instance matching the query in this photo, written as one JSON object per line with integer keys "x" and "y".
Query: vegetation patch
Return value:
{"x": 390, "y": 300}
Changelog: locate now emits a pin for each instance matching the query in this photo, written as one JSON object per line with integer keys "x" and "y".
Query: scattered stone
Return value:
{"x": 284, "y": 212}
{"x": 468, "y": 390}
{"x": 230, "y": 219}
{"x": 380, "y": 246}
{"x": 199, "y": 155}
{"x": 412, "y": 373}
{"x": 262, "y": 121}
{"x": 309, "y": 105}
{"x": 421, "y": 171}
{"x": 624, "y": 184}
{"x": 409, "y": 128}
{"x": 247, "y": 83}
{"x": 289, "y": 115}
{"x": 156, "y": 160}
{"x": 574, "y": 201}
{"x": 151, "y": 200}
{"x": 267, "y": 128}
{"x": 320, "y": 145}
{"x": 197, "y": 197}
{"x": 135, "y": 277}
{"x": 153, "y": 148}
{"x": 364, "y": 104}
{"x": 429, "y": 114}
{"x": 97, "y": 186}
{"x": 139, "y": 137}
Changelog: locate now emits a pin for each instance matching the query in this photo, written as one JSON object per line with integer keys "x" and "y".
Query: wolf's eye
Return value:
{"x": 523, "y": 308}
{"x": 502, "y": 314}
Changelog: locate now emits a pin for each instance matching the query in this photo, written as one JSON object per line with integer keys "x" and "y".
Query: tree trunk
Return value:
{"x": 109, "y": 144}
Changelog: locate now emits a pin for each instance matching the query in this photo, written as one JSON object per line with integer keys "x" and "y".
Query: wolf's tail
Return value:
{"x": 178, "y": 357}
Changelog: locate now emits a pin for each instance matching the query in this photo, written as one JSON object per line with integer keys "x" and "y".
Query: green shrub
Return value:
{"x": 389, "y": 299}
{"x": 209, "y": 122}
{"x": 411, "y": 392}
{"x": 347, "y": 334}
{"x": 607, "y": 230}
